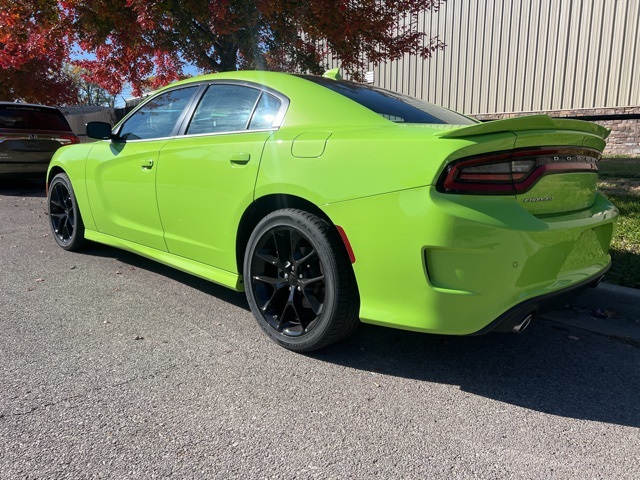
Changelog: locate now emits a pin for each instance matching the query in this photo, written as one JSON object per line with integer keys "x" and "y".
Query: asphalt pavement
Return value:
{"x": 112, "y": 366}
{"x": 609, "y": 310}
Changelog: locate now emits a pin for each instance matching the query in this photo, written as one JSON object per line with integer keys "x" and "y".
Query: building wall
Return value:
{"x": 624, "y": 124}
{"x": 577, "y": 58}
{"x": 78, "y": 117}
{"x": 524, "y": 55}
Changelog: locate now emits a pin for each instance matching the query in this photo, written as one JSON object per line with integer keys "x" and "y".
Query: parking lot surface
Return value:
{"x": 112, "y": 366}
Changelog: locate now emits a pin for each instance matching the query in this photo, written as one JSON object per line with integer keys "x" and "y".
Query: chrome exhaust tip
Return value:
{"x": 523, "y": 324}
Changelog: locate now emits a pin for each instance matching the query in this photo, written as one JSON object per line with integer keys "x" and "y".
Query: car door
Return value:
{"x": 206, "y": 178}
{"x": 121, "y": 173}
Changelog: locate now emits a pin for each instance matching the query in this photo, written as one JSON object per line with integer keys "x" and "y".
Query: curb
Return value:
{"x": 624, "y": 301}
{"x": 608, "y": 310}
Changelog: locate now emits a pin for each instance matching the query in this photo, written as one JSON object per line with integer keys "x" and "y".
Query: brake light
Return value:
{"x": 68, "y": 139}
{"x": 515, "y": 172}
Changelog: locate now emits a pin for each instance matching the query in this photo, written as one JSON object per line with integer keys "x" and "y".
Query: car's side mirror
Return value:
{"x": 99, "y": 130}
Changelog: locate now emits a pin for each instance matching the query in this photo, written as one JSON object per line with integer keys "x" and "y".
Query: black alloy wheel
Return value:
{"x": 299, "y": 282}
{"x": 64, "y": 216}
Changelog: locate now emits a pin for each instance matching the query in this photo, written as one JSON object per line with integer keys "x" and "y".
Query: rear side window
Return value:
{"x": 224, "y": 108}
{"x": 391, "y": 105}
{"x": 265, "y": 112}
{"x": 32, "y": 118}
{"x": 233, "y": 108}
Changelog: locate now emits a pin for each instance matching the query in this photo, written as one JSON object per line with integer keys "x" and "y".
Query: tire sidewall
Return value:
{"x": 75, "y": 240}
{"x": 295, "y": 219}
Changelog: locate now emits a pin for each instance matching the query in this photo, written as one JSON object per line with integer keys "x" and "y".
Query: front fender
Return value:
{"x": 72, "y": 160}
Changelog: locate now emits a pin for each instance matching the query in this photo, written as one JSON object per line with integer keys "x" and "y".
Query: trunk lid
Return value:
{"x": 553, "y": 164}
{"x": 31, "y": 146}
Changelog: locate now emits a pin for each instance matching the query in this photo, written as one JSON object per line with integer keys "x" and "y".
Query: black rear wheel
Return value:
{"x": 299, "y": 281}
{"x": 64, "y": 215}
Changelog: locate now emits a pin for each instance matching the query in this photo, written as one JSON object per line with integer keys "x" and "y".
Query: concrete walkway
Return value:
{"x": 606, "y": 310}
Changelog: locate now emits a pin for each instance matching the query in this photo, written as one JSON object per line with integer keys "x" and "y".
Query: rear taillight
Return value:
{"x": 68, "y": 139}
{"x": 515, "y": 172}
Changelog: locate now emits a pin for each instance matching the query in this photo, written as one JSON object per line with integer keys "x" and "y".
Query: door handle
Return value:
{"x": 147, "y": 164}
{"x": 240, "y": 158}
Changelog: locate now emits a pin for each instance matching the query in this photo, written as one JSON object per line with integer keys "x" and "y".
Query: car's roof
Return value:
{"x": 257, "y": 76}
{"x": 286, "y": 83}
{"x": 308, "y": 99}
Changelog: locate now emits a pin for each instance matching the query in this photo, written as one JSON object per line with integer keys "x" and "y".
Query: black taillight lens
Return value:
{"x": 515, "y": 172}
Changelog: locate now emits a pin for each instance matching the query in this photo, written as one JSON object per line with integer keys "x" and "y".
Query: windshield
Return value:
{"x": 393, "y": 106}
{"x": 32, "y": 118}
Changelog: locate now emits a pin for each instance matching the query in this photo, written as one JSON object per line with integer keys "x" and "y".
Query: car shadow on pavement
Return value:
{"x": 547, "y": 368}
{"x": 237, "y": 299}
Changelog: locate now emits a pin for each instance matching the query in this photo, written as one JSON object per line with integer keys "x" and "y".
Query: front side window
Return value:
{"x": 158, "y": 117}
{"x": 233, "y": 108}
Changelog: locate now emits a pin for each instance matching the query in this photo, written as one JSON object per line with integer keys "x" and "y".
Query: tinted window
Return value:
{"x": 158, "y": 117}
{"x": 392, "y": 106}
{"x": 224, "y": 108}
{"x": 266, "y": 112}
{"x": 32, "y": 118}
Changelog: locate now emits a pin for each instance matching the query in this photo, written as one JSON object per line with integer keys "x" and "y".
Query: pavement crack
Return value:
{"x": 626, "y": 340}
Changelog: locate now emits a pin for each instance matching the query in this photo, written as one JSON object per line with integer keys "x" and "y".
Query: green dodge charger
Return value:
{"x": 332, "y": 203}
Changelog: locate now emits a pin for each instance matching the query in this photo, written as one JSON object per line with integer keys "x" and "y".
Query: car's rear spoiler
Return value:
{"x": 530, "y": 122}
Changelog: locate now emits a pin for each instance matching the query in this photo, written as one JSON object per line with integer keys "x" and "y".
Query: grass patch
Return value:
{"x": 620, "y": 183}
{"x": 619, "y": 168}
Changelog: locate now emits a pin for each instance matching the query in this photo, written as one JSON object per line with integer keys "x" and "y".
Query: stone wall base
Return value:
{"x": 624, "y": 123}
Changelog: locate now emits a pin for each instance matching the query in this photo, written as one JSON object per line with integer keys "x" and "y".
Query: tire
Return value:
{"x": 299, "y": 281}
{"x": 64, "y": 215}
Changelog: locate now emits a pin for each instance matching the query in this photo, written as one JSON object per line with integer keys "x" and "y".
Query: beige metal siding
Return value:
{"x": 525, "y": 55}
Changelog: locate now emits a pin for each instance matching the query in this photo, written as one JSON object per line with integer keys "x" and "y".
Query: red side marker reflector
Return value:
{"x": 345, "y": 240}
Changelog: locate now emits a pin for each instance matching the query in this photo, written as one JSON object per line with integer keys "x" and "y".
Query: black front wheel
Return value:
{"x": 64, "y": 215}
{"x": 299, "y": 282}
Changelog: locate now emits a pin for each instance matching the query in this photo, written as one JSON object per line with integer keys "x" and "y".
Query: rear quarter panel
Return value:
{"x": 362, "y": 162}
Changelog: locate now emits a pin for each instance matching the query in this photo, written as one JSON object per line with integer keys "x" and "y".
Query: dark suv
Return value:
{"x": 29, "y": 135}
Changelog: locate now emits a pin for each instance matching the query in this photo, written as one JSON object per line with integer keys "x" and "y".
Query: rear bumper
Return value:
{"x": 535, "y": 306}
{"x": 9, "y": 167}
{"x": 458, "y": 265}
{"x": 19, "y": 159}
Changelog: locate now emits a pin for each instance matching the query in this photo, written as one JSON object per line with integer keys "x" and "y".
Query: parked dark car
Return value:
{"x": 29, "y": 136}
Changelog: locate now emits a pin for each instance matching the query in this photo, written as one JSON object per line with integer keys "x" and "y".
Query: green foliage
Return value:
{"x": 621, "y": 185}
{"x": 619, "y": 168}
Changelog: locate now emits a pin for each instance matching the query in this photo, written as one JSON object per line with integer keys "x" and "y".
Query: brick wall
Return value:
{"x": 623, "y": 122}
